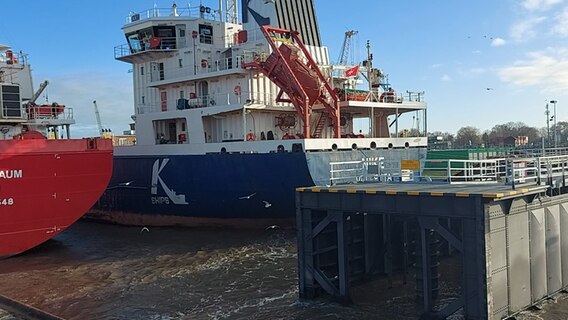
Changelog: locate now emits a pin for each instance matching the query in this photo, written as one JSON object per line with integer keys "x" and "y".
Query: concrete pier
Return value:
{"x": 511, "y": 244}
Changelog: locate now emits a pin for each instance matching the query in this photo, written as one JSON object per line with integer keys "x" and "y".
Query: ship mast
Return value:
{"x": 232, "y": 11}
{"x": 369, "y": 65}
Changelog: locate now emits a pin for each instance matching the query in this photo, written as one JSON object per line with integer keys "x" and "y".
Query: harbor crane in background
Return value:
{"x": 346, "y": 48}
{"x": 99, "y": 124}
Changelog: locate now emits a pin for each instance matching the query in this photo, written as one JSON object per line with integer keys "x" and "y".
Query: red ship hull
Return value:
{"x": 46, "y": 185}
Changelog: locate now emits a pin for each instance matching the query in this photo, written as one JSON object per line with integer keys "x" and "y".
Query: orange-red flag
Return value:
{"x": 352, "y": 72}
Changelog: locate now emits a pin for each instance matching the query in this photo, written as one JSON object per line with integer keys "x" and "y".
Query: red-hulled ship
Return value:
{"x": 47, "y": 179}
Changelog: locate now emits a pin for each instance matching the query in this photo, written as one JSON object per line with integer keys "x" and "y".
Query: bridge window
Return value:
{"x": 205, "y": 34}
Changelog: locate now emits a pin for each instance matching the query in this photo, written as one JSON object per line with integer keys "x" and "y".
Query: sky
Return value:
{"x": 480, "y": 63}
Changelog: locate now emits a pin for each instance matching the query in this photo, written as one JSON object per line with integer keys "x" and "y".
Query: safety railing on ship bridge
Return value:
{"x": 188, "y": 71}
{"x": 175, "y": 11}
{"x": 210, "y": 100}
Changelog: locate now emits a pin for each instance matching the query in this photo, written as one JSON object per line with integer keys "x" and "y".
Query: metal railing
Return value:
{"x": 170, "y": 12}
{"x": 57, "y": 112}
{"x": 199, "y": 67}
{"x": 365, "y": 170}
{"x": 541, "y": 152}
{"x": 462, "y": 171}
{"x": 218, "y": 99}
{"x": 513, "y": 171}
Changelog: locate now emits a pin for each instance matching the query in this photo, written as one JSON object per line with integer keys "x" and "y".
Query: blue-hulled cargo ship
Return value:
{"x": 233, "y": 112}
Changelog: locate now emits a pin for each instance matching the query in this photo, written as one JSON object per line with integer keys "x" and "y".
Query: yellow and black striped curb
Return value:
{"x": 493, "y": 195}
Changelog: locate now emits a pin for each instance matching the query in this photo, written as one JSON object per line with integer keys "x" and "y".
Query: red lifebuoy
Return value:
{"x": 237, "y": 90}
{"x": 251, "y": 137}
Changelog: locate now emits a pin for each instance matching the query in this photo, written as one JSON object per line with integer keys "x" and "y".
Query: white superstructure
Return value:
{"x": 193, "y": 95}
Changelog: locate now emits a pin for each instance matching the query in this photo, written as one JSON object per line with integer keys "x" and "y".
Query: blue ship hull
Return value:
{"x": 223, "y": 186}
{"x": 219, "y": 189}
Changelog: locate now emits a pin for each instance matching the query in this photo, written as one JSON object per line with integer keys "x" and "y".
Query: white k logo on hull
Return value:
{"x": 156, "y": 170}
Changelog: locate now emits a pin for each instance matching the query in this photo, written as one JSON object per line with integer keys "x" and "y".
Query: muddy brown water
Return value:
{"x": 101, "y": 271}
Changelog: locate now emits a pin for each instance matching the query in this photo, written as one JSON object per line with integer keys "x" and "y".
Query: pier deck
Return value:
{"x": 511, "y": 244}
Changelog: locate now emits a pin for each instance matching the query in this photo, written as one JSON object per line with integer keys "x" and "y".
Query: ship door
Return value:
{"x": 181, "y": 36}
{"x": 203, "y": 92}
{"x": 157, "y": 73}
{"x": 172, "y": 131}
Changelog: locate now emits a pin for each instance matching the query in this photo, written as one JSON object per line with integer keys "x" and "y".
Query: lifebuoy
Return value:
{"x": 251, "y": 137}
{"x": 204, "y": 63}
{"x": 237, "y": 90}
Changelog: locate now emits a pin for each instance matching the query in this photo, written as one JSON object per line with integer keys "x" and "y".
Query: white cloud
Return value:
{"x": 436, "y": 65}
{"x": 561, "y": 20}
{"x": 533, "y": 5}
{"x": 77, "y": 91}
{"x": 497, "y": 42}
{"x": 547, "y": 70}
{"x": 477, "y": 52}
{"x": 446, "y": 78}
{"x": 525, "y": 30}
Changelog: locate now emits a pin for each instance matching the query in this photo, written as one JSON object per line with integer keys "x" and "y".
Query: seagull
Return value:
{"x": 266, "y": 204}
{"x": 144, "y": 229}
{"x": 488, "y": 89}
{"x": 273, "y": 227}
{"x": 247, "y": 197}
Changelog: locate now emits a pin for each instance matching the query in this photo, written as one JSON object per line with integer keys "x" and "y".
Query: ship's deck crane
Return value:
{"x": 36, "y": 95}
{"x": 99, "y": 124}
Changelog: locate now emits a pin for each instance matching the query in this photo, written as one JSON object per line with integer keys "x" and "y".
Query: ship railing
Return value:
{"x": 178, "y": 11}
{"x": 210, "y": 100}
{"x": 146, "y": 45}
{"x": 365, "y": 170}
{"x": 43, "y": 113}
{"x": 200, "y": 67}
{"x": 18, "y": 59}
{"x": 258, "y": 56}
{"x": 381, "y": 97}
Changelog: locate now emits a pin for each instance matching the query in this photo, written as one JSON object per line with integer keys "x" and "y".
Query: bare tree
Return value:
{"x": 500, "y": 132}
{"x": 468, "y": 137}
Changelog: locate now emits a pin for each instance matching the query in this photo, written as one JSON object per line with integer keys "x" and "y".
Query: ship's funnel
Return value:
{"x": 284, "y": 14}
